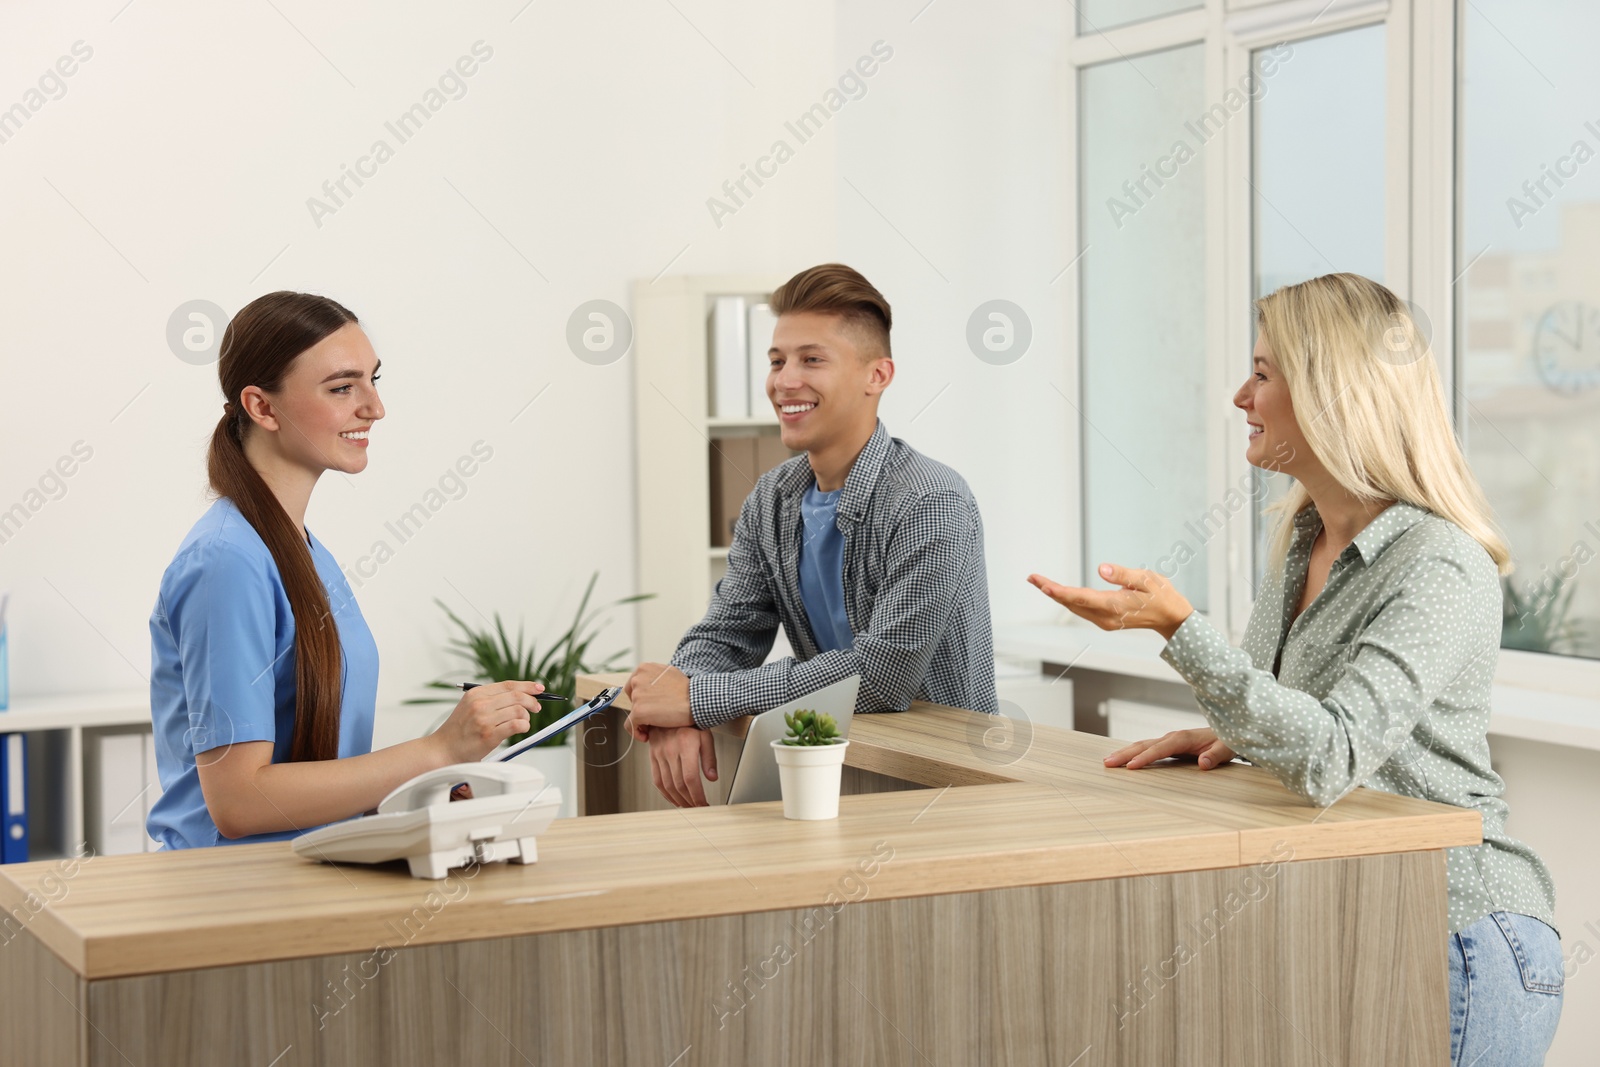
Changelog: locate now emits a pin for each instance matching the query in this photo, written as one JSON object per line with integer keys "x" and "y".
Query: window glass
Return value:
{"x": 1318, "y": 180}
{"x": 1142, "y": 277}
{"x": 1528, "y": 302}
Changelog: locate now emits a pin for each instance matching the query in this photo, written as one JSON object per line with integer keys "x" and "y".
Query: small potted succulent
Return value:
{"x": 809, "y": 762}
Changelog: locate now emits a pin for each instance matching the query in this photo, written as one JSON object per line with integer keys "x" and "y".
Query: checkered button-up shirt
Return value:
{"x": 915, "y": 590}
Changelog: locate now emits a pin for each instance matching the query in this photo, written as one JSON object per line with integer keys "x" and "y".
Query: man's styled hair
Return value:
{"x": 835, "y": 289}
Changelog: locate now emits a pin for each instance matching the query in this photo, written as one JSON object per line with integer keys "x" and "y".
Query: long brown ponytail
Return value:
{"x": 258, "y": 348}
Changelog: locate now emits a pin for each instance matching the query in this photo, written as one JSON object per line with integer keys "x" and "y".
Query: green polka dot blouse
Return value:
{"x": 1383, "y": 681}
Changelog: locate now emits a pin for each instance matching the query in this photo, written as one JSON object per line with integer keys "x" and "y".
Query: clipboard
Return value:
{"x": 593, "y": 706}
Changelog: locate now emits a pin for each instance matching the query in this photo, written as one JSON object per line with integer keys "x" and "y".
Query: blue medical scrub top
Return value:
{"x": 822, "y": 570}
{"x": 222, "y": 666}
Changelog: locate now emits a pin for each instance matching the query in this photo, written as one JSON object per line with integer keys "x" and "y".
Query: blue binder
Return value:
{"x": 13, "y": 799}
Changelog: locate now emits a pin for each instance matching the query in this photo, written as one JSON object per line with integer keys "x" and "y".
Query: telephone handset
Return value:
{"x": 418, "y": 822}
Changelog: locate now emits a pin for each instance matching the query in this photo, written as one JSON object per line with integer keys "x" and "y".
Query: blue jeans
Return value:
{"x": 1505, "y": 991}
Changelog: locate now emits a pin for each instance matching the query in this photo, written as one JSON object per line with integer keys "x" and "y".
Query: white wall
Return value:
{"x": 951, "y": 191}
{"x": 177, "y": 166}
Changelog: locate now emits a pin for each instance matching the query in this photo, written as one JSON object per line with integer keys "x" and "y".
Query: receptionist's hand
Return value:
{"x": 1201, "y": 743}
{"x": 485, "y": 716}
{"x": 660, "y": 697}
{"x": 677, "y": 757}
{"x": 1145, "y": 601}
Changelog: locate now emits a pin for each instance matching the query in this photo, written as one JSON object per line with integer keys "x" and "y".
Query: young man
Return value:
{"x": 869, "y": 554}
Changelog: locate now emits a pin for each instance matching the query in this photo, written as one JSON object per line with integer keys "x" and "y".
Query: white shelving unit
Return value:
{"x": 673, "y": 431}
{"x": 54, "y": 727}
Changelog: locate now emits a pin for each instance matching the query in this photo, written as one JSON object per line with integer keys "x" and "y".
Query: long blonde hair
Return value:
{"x": 1366, "y": 390}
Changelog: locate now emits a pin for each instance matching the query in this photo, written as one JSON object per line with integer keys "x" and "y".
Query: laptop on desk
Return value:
{"x": 755, "y": 772}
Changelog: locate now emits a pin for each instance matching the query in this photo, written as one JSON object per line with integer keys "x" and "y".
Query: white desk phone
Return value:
{"x": 419, "y": 823}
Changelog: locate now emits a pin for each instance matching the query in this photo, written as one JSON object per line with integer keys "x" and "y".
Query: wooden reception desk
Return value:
{"x": 985, "y": 897}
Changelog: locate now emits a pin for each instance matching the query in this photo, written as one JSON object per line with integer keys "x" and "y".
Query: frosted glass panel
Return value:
{"x": 1529, "y": 305}
{"x": 1318, "y": 163}
{"x": 1142, "y": 217}
{"x": 1319, "y": 160}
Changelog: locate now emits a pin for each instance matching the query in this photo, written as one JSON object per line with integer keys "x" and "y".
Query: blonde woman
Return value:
{"x": 1370, "y": 653}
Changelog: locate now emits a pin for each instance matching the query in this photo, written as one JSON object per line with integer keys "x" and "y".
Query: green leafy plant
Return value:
{"x": 1534, "y": 619}
{"x": 492, "y": 656}
{"x": 809, "y": 728}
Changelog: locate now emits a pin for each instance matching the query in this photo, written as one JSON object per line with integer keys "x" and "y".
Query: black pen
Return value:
{"x": 464, "y": 686}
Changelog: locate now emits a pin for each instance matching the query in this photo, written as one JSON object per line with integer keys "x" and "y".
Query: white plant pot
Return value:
{"x": 559, "y": 765}
{"x": 809, "y": 775}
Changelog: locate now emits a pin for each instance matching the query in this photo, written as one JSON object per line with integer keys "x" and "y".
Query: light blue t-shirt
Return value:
{"x": 222, "y": 666}
{"x": 822, "y": 570}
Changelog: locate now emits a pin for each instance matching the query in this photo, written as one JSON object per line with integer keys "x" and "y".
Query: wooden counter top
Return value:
{"x": 937, "y": 746}
{"x": 1053, "y": 814}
